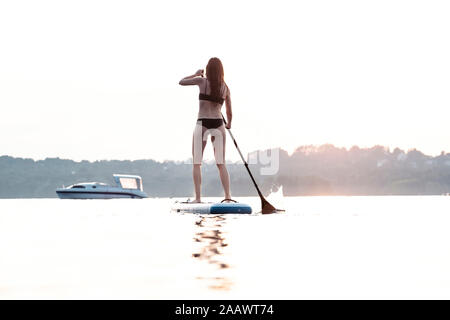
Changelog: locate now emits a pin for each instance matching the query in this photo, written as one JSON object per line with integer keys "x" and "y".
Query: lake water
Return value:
{"x": 322, "y": 247}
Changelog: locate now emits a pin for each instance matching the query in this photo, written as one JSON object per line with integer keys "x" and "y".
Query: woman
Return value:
{"x": 213, "y": 93}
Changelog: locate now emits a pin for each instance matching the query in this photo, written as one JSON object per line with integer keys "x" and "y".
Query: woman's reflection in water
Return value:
{"x": 211, "y": 238}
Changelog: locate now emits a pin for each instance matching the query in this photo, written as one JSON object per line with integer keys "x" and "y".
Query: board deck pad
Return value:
{"x": 212, "y": 208}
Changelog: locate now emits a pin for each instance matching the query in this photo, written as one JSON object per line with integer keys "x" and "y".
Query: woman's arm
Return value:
{"x": 193, "y": 79}
{"x": 228, "y": 109}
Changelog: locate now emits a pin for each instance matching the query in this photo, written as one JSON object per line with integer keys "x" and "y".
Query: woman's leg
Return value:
{"x": 197, "y": 176}
{"x": 218, "y": 141}
{"x": 225, "y": 179}
{"x": 198, "y": 146}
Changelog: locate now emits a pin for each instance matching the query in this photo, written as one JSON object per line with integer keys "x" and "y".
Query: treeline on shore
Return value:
{"x": 310, "y": 170}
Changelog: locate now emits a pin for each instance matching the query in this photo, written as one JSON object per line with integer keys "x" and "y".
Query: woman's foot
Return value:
{"x": 228, "y": 200}
{"x": 196, "y": 201}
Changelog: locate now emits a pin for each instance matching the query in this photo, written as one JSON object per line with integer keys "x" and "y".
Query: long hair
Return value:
{"x": 214, "y": 74}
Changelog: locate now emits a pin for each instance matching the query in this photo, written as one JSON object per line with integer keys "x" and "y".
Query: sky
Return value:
{"x": 99, "y": 79}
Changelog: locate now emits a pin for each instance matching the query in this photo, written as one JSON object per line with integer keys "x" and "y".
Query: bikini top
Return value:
{"x": 204, "y": 96}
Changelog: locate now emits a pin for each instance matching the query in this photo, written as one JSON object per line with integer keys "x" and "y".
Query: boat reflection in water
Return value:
{"x": 211, "y": 240}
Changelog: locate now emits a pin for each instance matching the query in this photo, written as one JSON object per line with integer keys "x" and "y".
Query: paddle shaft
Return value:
{"x": 245, "y": 162}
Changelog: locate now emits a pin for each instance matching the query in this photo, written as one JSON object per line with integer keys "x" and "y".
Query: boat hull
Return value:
{"x": 63, "y": 194}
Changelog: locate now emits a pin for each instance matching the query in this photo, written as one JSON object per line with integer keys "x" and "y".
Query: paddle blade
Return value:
{"x": 266, "y": 207}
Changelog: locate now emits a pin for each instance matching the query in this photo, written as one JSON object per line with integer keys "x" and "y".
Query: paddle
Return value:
{"x": 266, "y": 207}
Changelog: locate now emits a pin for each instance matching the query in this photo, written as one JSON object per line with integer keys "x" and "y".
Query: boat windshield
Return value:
{"x": 129, "y": 183}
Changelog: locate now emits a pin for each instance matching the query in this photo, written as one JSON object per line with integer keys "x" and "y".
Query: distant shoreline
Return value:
{"x": 309, "y": 171}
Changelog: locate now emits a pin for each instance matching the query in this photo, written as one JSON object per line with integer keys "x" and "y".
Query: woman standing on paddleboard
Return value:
{"x": 213, "y": 93}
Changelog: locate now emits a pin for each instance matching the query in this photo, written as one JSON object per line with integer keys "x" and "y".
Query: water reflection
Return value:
{"x": 211, "y": 240}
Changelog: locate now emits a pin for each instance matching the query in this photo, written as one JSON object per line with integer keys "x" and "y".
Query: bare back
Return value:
{"x": 209, "y": 109}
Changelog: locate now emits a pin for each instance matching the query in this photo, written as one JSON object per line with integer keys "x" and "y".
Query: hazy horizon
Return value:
{"x": 207, "y": 160}
{"x": 321, "y": 170}
{"x": 99, "y": 79}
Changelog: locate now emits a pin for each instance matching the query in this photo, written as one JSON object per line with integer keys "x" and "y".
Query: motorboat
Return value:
{"x": 127, "y": 186}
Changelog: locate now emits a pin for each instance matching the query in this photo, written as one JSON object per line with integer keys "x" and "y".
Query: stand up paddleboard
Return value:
{"x": 212, "y": 208}
{"x": 223, "y": 208}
